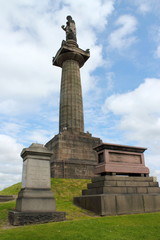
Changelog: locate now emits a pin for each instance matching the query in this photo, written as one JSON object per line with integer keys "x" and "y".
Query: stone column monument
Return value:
{"x": 35, "y": 202}
{"x": 73, "y": 154}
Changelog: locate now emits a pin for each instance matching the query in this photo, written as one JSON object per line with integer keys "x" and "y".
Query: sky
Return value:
{"x": 120, "y": 81}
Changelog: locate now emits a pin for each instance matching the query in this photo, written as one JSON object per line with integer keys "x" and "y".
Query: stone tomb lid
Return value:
{"x": 118, "y": 147}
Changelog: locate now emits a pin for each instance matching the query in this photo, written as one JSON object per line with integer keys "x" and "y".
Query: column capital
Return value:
{"x": 70, "y": 51}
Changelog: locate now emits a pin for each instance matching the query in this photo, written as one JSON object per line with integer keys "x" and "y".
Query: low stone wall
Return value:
{"x": 6, "y": 198}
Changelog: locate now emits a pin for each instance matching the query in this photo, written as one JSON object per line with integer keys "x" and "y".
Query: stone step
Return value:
{"x": 122, "y": 184}
{"x": 123, "y": 178}
{"x": 121, "y": 190}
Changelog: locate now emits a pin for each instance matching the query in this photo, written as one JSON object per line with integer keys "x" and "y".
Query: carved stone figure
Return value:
{"x": 70, "y": 29}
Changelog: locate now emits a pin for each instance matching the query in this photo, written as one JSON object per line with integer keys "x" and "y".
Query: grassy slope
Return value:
{"x": 64, "y": 191}
{"x": 84, "y": 226}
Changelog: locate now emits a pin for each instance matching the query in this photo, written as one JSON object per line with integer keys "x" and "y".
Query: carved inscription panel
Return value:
{"x": 125, "y": 158}
{"x": 36, "y": 174}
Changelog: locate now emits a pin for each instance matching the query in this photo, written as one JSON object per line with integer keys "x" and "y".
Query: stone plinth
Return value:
{"x": 73, "y": 155}
{"x": 120, "y": 159}
{"x": 25, "y": 218}
{"x": 35, "y": 202}
{"x": 115, "y": 195}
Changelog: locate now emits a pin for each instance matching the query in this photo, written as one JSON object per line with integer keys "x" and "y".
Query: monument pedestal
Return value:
{"x": 73, "y": 155}
{"x": 35, "y": 202}
{"x": 124, "y": 185}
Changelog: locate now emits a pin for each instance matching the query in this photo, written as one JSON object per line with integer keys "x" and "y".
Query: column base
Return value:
{"x": 73, "y": 155}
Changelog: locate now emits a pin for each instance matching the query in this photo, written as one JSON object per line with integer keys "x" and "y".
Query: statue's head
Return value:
{"x": 69, "y": 18}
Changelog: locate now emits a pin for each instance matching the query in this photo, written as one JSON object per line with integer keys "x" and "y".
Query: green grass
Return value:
{"x": 81, "y": 224}
{"x": 132, "y": 227}
{"x": 64, "y": 191}
{"x": 12, "y": 190}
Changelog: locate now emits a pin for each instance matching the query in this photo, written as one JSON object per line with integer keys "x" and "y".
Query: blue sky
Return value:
{"x": 120, "y": 81}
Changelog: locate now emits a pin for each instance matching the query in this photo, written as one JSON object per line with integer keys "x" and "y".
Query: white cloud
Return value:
{"x": 10, "y": 161}
{"x": 156, "y": 34}
{"x": 90, "y": 14}
{"x": 158, "y": 52}
{"x": 145, "y": 6}
{"x": 123, "y": 37}
{"x": 29, "y": 33}
{"x": 139, "y": 114}
{"x": 110, "y": 80}
{"x": 139, "y": 110}
{"x": 10, "y": 128}
{"x": 39, "y": 136}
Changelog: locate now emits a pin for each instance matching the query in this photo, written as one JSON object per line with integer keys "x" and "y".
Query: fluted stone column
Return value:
{"x": 71, "y": 58}
{"x": 71, "y": 106}
{"x": 73, "y": 154}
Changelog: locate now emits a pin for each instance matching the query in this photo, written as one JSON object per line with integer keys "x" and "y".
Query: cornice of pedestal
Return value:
{"x": 70, "y": 51}
{"x": 36, "y": 150}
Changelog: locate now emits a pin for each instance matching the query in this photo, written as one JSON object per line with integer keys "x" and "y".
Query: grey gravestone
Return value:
{"x": 35, "y": 202}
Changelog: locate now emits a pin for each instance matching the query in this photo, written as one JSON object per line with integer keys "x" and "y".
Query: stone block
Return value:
{"x": 35, "y": 204}
{"x": 153, "y": 184}
{"x": 89, "y": 191}
{"x": 73, "y": 155}
{"x": 131, "y": 190}
{"x": 23, "y": 218}
{"x": 142, "y": 190}
{"x": 111, "y": 190}
{"x": 130, "y": 203}
{"x": 151, "y": 202}
{"x": 134, "y": 184}
{"x": 108, "y": 205}
{"x": 153, "y": 190}
{"x": 122, "y": 178}
{"x": 93, "y": 203}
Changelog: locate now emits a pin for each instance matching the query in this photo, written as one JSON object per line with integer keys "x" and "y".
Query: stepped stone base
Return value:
{"x": 73, "y": 155}
{"x": 23, "y": 218}
{"x": 114, "y": 195}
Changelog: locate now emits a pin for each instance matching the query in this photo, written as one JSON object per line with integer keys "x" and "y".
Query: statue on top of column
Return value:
{"x": 70, "y": 29}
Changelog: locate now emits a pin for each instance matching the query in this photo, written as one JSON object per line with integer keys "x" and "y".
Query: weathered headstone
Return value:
{"x": 35, "y": 202}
